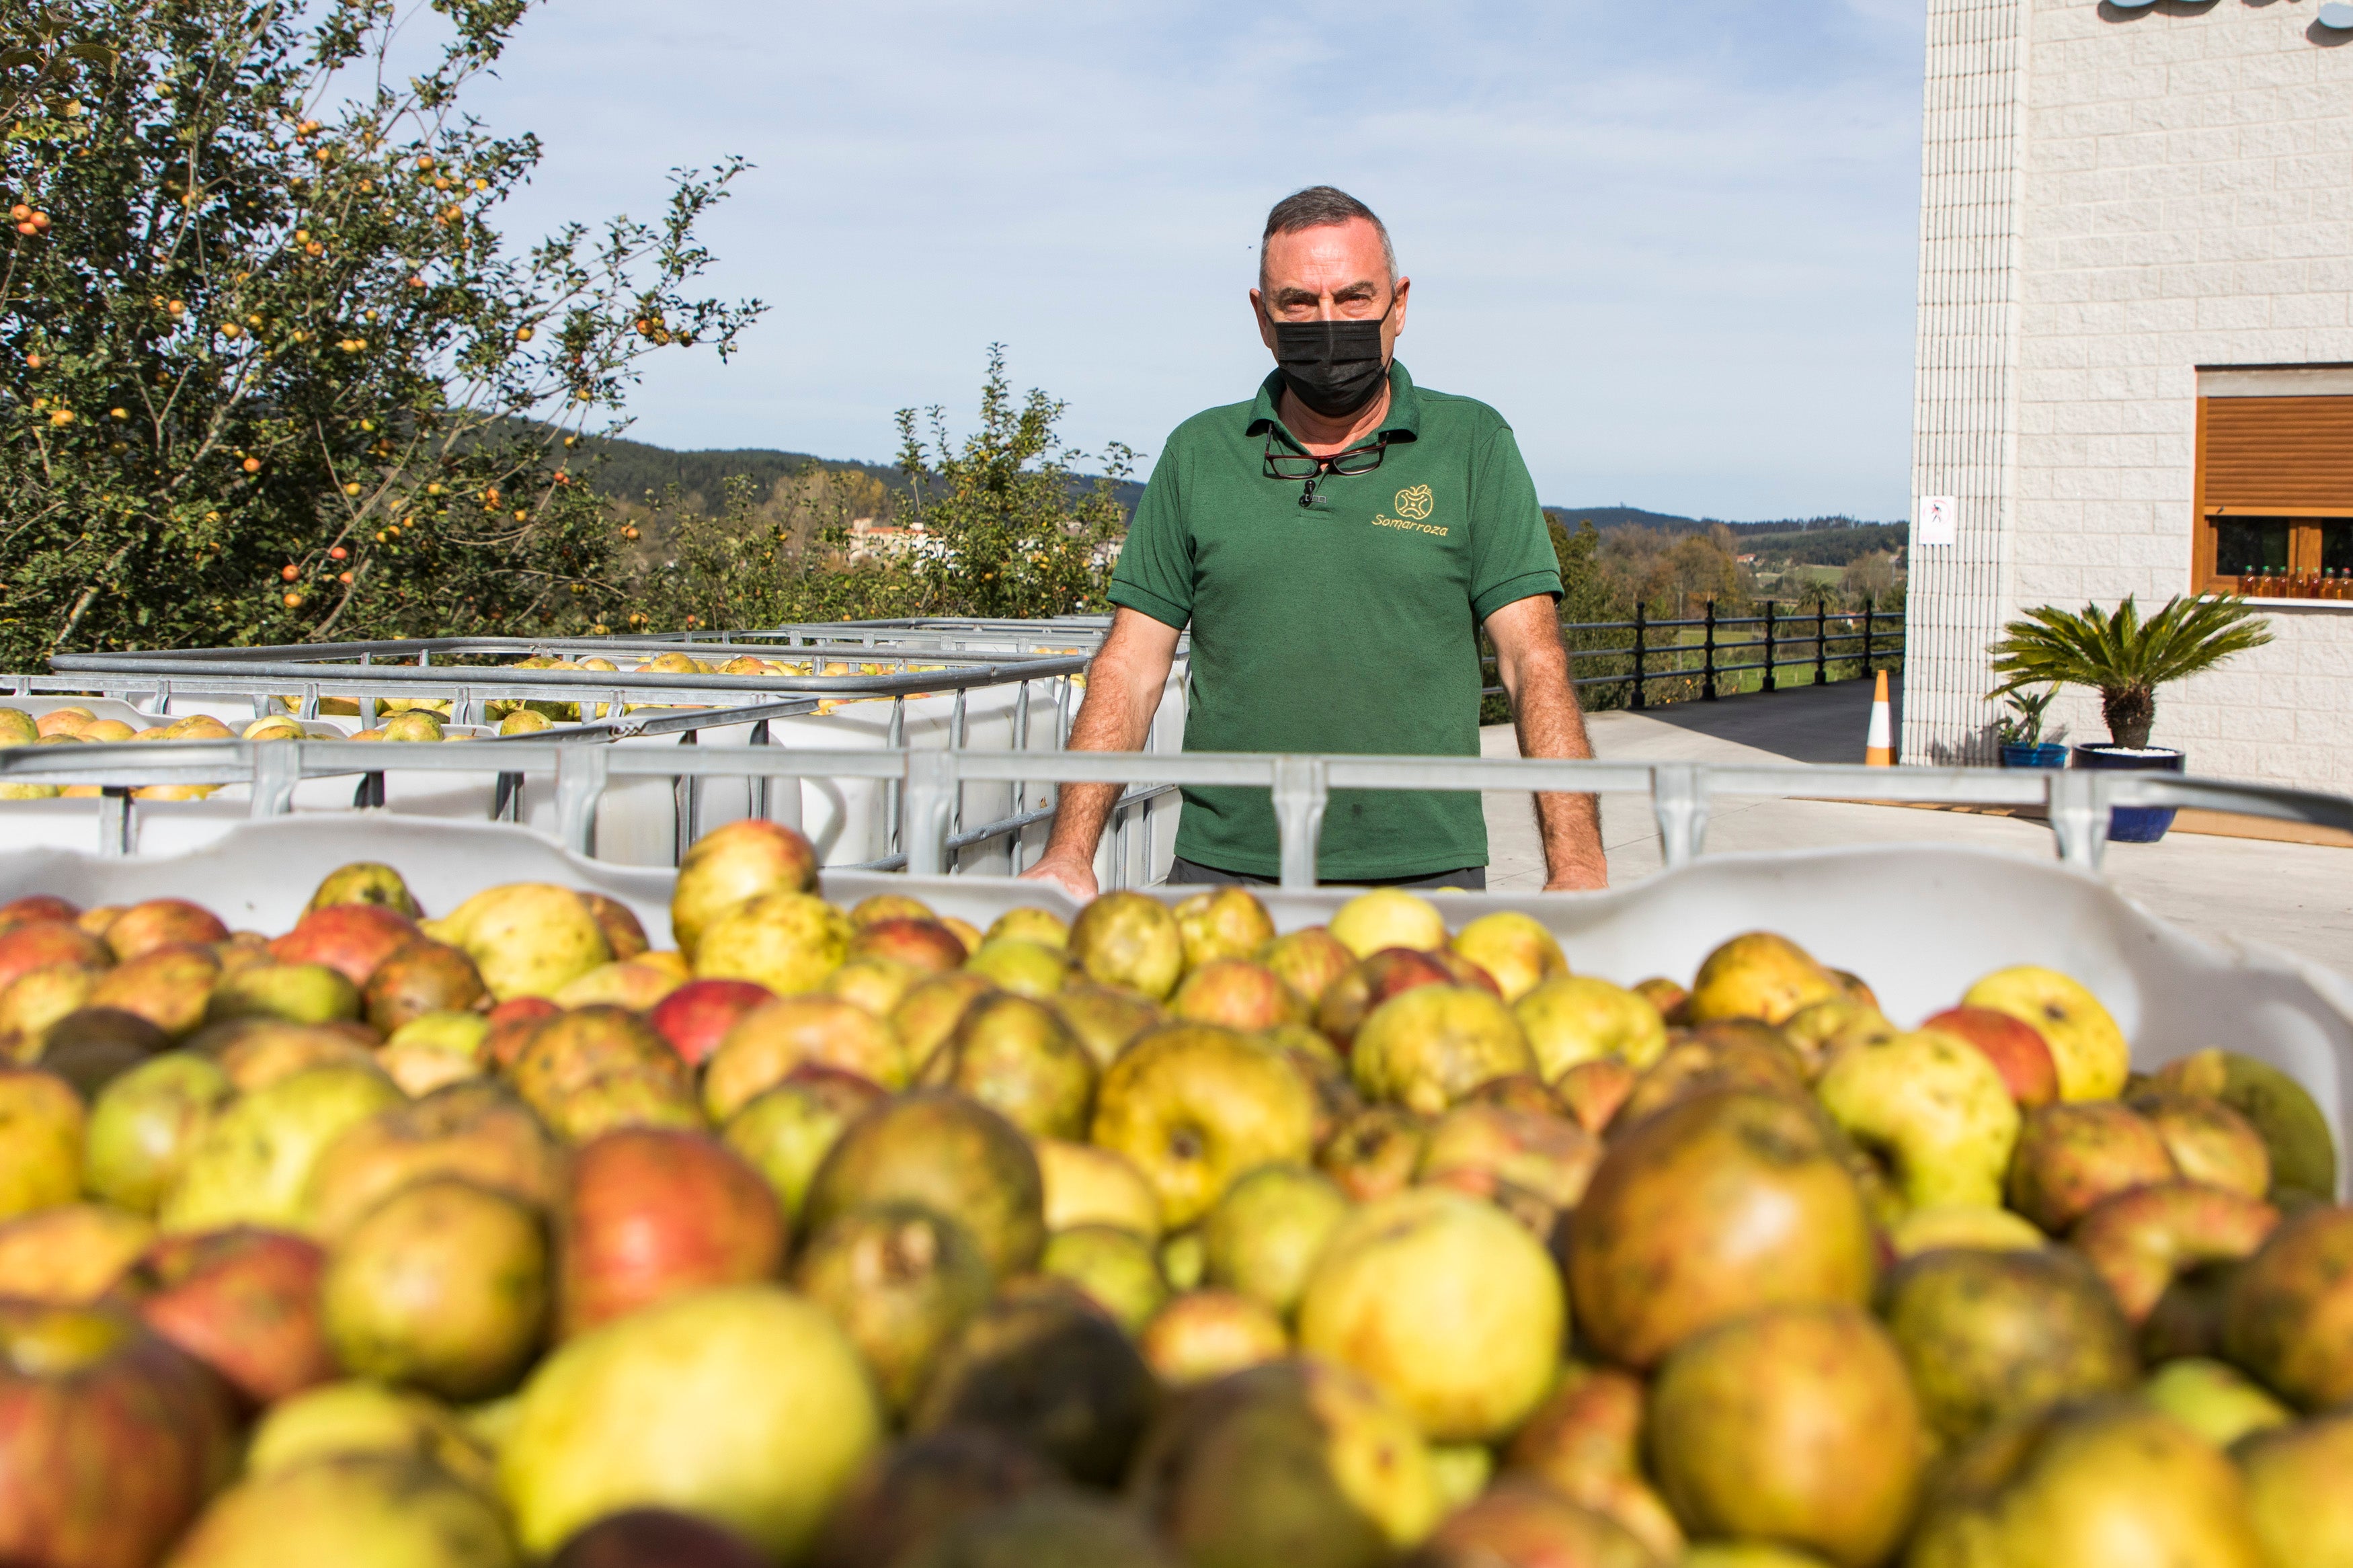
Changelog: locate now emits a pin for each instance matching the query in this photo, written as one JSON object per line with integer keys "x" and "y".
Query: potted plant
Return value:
{"x": 2020, "y": 731}
{"x": 2125, "y": 659}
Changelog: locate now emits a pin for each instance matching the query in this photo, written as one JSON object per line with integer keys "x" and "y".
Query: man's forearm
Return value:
{"x": 1544, "y": 715}
{"x": 1123, "y": 690}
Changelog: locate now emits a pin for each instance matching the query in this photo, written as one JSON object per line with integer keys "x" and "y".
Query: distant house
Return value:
{"x": 873, "y": 540}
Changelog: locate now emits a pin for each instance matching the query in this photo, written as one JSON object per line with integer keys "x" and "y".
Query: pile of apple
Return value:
{"x": 864, "y": 1237}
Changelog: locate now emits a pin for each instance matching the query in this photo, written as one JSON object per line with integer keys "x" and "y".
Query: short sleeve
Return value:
{"x": 1510, "y": 545}
{"x": 1154, "y": 574}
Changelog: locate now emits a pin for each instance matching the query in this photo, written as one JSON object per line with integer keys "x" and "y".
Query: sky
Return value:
{"x": 1673, "y": 242}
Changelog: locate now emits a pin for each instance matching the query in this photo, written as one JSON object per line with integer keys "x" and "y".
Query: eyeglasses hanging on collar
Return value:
{"x": 1285, "y": 464}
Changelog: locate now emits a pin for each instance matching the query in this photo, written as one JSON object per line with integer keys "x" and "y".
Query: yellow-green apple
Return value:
{"x": 1758, "y": 975}
{"x": 637, "y": 983}
{"x": 1730, "y": 1053}
{"x": 732, "y": 865}
{"x": 596, "y": 1067}
{"x": 355, "y": 1508}
{"x": 1298, "y": 1461}
{"x": 1717, "y": 1207}
{"x": 1088, "y": 1185}
{"x": 2303, "y": 1511}
{"x": 1429, "y": 1047}
{"x": 443, "y": 1286}
{"x": 767, "y": 1043}
{"x": 297, "y": 992}
{"x": 1117, "y": 1269}
{"x": 143, "y": 1125}
{"x": 1224, "y": 923}
{"x": 109, "y": 1438}
{"x": 168, "y": 986}
{"x": 1579, "y": 1018}
{"x": 650, "y": 1213}
{"x": 71, "y": 1254}
{"x": 2219, "y": 1402}
{"x": 2015, "y": 1047}
{"x": 1994, "y": 1336}
{"x": 1934, "y": 1108}
{"x": 2114, "y": 1483}
{"x": 1515, "y": 948}
{"x": 526, "y": 939}
{"x": 1042, "y": 1362}
{"x": 624, "y": 932}
{"x": 1106, "y": 1019}
{"x": 2209, "y": 1141}
{"x": 2073, "y": 1155}
{"x": 1965, "y": 1226}
{"x": 1026, "y": 924}
{"x": 434, "y": 1051}
{"x": 1198, "y": 1336}
{"x": 478, "y": 1131}
{"x": 787, "y": 1132}
{"x": 1362, "y": 988}
{"x": 1194, "y": 1107}
{"x": 697, "y": 1016}
{"x": 36, "y": 999}
{"x": 789, "y": 942}
{"x": 901, "y": 1282}
{"x": 1017, "y": 1056}
{"x": 1820, "y": 1030}
{"x": 1129, "y": 940}
{"x": 1388, "y": 917}
{"x": 365, "y": 882}
{"x": 258, "y": 1052}
{"x": 1446, "y": 1303}
{"x": 2086, "y": 1046}
{"x": 876, "y": 984}
{"x": 1375, "y": 1152}
{"x": 1585, "y": 1442}
{"x": 357, "y": 1416}
{"x": 927, "y": 1014}
{"x": 2294, "y": 1133}
{"x": 1262, "y": 1238}
{"x": 949, "y": 1153}
{"x": 41, "y": 1129}
{"x": 1025, "y": 968}
{"x": 1798, "y": 1425}
{"x": 2289, "y": 1318}
{"x": 1308, "y": 960}
{"x": 252, "y": 1163}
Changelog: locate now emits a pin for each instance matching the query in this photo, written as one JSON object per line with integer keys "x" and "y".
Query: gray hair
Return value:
{"x": 1323, "y": 206}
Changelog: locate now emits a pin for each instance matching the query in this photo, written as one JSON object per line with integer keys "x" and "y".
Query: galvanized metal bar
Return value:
{"x": 1300, "y": 793}
{"x": 117, "y": 835}
{"x": 1678, "y": 803}
{"x": 928, "y": 788}
{"x": 580, "y": 775}
{"x": 277, "y": 769}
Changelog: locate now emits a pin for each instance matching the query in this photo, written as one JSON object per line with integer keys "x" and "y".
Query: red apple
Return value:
{"x": 1389, "y": 972}
{"x": 353, "y": 938}
{"x": 929, "y": 945}
{"x": 654, "y": 1212}
{"x": 159, "y": 922}
{"x": 243, "y": 1301}
{"x": 2015, "y": 1048}
{"x": 697, "y": 1016}
{"x": 512, "y": 1025}
{"x": 657, "y": 1538}
{"x": 36, "y": 906}
{"x": 43, "y": 943}
{"x": 109, "y": 1438}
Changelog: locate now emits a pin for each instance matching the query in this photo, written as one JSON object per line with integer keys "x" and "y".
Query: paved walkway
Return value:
{"x": 2292, "y": 896}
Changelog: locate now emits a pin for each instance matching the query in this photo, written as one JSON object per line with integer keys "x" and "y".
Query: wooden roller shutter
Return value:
{"x": 2276, "y": 455}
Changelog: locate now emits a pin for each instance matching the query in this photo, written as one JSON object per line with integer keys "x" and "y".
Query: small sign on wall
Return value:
{"x": 1937, "y": 521}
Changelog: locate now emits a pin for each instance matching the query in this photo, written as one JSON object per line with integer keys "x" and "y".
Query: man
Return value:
{"x": 1336, "y": 544}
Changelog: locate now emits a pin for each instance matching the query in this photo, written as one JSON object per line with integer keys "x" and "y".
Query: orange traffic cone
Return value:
{"x": 1879, "y": 745}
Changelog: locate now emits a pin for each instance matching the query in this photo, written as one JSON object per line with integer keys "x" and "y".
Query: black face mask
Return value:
{"x": 1334, "y": 367}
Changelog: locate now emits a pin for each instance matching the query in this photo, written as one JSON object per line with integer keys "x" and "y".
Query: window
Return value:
{"x": 2274, "y": 483}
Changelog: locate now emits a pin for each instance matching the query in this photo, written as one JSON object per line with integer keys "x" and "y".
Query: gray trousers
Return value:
{"x": 1189, "y": 873}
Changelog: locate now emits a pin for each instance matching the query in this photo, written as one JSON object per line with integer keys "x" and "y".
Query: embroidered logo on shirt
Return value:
{"x": 1416, "y": 502}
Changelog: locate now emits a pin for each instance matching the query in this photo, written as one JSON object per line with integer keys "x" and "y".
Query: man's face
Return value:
{"x": 1333, "y": 273}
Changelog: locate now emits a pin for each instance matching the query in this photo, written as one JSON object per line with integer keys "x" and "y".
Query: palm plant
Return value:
{"x": 2122, "y": 656}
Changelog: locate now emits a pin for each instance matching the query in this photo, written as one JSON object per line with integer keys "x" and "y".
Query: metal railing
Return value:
{"x": 1801, "y": 641}
{"x": 2077, "y": 803}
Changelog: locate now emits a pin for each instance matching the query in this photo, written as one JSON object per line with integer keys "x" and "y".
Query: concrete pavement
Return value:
{"x": 2295, "y": 897}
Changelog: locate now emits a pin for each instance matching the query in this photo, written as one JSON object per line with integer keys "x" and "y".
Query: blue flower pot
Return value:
{"x": 2134, "y": 824}
{"x": 2049, "y": 754}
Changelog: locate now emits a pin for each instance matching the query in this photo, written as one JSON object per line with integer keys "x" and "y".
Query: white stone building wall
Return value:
{"x": 2110, "y": 200}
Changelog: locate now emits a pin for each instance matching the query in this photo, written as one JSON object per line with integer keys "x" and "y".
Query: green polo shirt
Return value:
{"x": 1349, "y": 625}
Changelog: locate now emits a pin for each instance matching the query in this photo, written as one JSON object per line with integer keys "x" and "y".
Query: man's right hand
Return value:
{"x": 1074, "y": 876}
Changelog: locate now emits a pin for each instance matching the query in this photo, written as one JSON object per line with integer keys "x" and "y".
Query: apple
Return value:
{"x": 160, "y": 922}
{"x": 1519, "y": 1524}
{"x": 2209, "y": 1141}
{"x": 1363, "y": 986}
{"x": 2086, "y": 1046}
{"x": 1117, "y": 1269}
{"x": 168, "y": 986}
{"x": 1223, "y": 922}
{"x": 2073, "y": 1155}
{"x": 787, "y": 1132}
{"x": 2141, "y": 1241}
{"x": 35, "y": 1000}
{"x": 1758, "y": 975}
{"x": 1105, "y": 1019}
{"x": 786, "y": 942}
{"x": 1194, "y": 1107}
{"x": 1933, "y": 1107}
{"x": 1238, "y": 993}
{"x": 903, "y": 1283}
{"x": 1026, "y": 924}
{"x": 1014, "y": 1056}
{"x": 917, "y": 1489}
{"x": 2296, "y": 1494}
{"x": 768, "y": 1043}
{"x": 434, "y": 1051}
{"x": 1722, "y": 1206}
{"x": 513, "y": 1025}
{"x": 252, "y": 1163}
{"x": 91, "y": 1047}
{"x": 888, "y": 906}
{"x": 475, "y": 1131}
{"x": 443, "y": 1286}
{"x": 351, "y": 938}
{"x": 1494, "y": 1152}
{"x": 744, "y": 1405}
{"x": 583, "y": 1068}
{"x": 421, "y": 976}
{"x": 355, "y": 1508}
{"x": 1575, "y": 1018}
{"x": 2219, "y": 1402}
{"x": 1388, "y": 917}
{"x": 2294, "y": 1133}
{"x": 1052, "y": 1526}
{"x": 1586, "y": 1444}
{"x": 365, "y": 882}
{"x": 1129, "y": 940}
{"x": 41, "y": 1131}
{"x": 948, "y": 1154}
{"x": 1429, "y": 1047}
{"x": 1297, "y": 1460}
{"x": 1797, "y": 1424}
{"x": 697, "y": 1016}
{"x": 1374, "y": 1153}
{"x": 143, "y": 1125}
{"x": 1308, "y": 960}
{"x": 297, "y": 992}
{"x": 1996, "y": 1336}
{"x": 1043, "y": 1363}
{"x": 1593, "y": 1092}
{"x": 926, "y": 945}
{"x": 624, "y": 934}
{"x": 526, "y": 939}
{"x": 652, "y": 1213}
{"x": 1088, "y": 1185}
{"x": 1200, "y": 1336}
{"x": 243, "y": 1301}
{"x": 34, "y": 908}
{"x": 1515, "y": 948}
{"x": 1821, "y": 1030}
{"x": 258, "y": 1052}
{"x": 927, "y": 1014}
{"x": 657, "y": 1538}
{"x": 2289, "y": 1313}
{"x": 1444, "y": 1302}
{"x": 732, "y": 865}
{"x": 2015, "y": 1048}
{"x": 1969, "y": 1225}
{"x": 1264, "y": 1236}
{"x": 109, "y": 1438}
{"x": 69, "y": 1255}
{"x": 877, "y": 985}
{"x": 44, "y": 945}
{"x": 358, "y": 1416}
